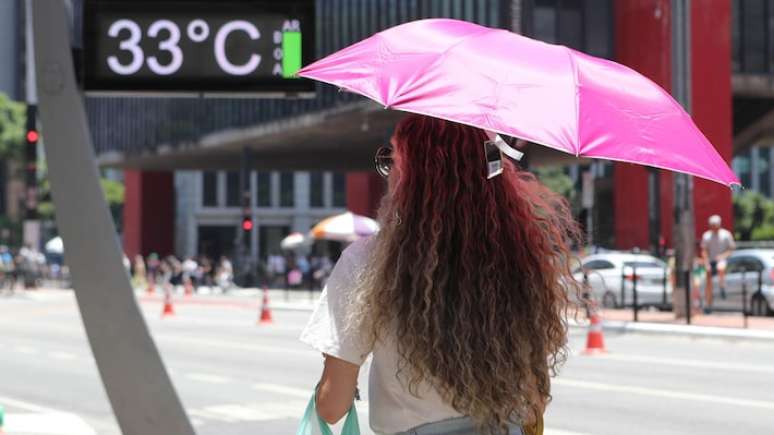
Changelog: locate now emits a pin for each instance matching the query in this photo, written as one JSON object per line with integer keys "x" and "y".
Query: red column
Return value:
{"x": 643, "y": 42}
{"x": 364, "y": 192}
{"x": 149, "y": 213}
{"x": 711, "y": 100}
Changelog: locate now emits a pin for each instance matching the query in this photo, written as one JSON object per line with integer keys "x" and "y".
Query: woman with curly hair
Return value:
{"x": 461, "y": 297}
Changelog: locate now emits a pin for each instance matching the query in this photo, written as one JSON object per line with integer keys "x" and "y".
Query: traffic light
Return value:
{"x": 31, "y": 163}
{"x": 247, "y": 224}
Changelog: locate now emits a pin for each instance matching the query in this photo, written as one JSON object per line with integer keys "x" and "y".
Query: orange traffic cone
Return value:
{"x": 595, "y": 343}
{"x": 168, "y": 308}
{"x": 265, "y": 310}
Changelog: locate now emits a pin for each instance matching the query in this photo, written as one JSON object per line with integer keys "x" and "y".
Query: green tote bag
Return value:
{"x": 312, "y": 424}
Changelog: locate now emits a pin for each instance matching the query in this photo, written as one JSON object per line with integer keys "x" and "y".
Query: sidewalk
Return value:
{"x": 715, "y": 325}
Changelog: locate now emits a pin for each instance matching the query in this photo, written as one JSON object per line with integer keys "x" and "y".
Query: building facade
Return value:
{"x": 209, "y": 211}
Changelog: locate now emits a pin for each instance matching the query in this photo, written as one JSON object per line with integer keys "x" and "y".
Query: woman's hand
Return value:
{"x": 337, "y": 389}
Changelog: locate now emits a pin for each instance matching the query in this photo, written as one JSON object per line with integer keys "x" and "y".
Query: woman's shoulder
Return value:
{"x": 356, "y": 255}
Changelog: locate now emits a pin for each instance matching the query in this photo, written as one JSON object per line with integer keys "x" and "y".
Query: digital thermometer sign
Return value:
{"x": 249, "y": 47}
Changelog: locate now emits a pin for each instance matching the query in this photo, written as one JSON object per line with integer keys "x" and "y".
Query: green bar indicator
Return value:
{"x": 291, "y": 54}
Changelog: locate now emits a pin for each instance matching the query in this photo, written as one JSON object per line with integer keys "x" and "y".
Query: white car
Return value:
{"x": 611, "y": 278}
{"x": 743, "y": 267}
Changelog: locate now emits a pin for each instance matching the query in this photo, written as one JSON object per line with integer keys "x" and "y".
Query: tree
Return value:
{"x": 12, "y": 123}
{"x": 555, "y": 179}
{"x": 753, "y": 216}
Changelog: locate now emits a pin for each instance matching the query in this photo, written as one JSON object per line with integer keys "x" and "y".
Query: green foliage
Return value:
{"x": 113, "y": 190}
{"x": 555, "y": 179}
{"x": 753, "y": 216}
{"x": 13, "y": 118}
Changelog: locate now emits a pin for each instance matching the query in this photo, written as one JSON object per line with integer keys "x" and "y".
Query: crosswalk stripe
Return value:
{"x": 670, "y": 394}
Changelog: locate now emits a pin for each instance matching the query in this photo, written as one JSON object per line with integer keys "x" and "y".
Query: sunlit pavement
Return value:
{"x": 236, "y": 376}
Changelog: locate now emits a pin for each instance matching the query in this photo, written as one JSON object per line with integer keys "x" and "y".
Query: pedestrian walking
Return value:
{"x": 717, "y": 244}
{"x": 460, "y": 297}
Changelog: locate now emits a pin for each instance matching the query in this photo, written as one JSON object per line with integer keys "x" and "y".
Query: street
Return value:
{"x": 239, "y": 377}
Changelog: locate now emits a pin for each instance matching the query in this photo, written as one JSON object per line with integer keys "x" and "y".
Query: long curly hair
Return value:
{"x": 470, "y": 275}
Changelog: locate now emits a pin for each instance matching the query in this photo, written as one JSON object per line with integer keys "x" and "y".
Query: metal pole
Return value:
{"x": 687, "y": 279}
{"x": 684, "y": 235}
{"x": 133, "y": 374}
{"x": 636, "y": 306}
{"x": 664, "y": 281}
{"x": 623, "y": 286}
{"x": 654, "y": 210}
{"x": 744, "y": 297}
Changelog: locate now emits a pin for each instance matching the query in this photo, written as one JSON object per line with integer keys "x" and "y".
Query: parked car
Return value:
{"x": 743, "y": 268}
{"x": 611, "y": 277}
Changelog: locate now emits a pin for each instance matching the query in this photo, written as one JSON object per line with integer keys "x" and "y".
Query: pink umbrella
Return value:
{"x": 509, "y": 84}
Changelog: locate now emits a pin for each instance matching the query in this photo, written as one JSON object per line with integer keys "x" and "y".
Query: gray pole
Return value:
{"x": 684, "y": 236}
{"x": 137, "y": 384}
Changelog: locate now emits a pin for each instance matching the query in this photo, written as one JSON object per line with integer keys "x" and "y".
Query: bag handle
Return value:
{"x": 312, "y": 423}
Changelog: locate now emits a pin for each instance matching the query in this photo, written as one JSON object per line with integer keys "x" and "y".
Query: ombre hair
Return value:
{"x": 470, "y": 276}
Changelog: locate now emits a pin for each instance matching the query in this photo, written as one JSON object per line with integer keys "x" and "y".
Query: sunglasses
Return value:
{"x": 383, "y": 160}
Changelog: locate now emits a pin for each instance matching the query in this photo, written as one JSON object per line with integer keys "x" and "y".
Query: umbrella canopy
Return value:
{"x": 55, "y": 246}
{"x": 293, "y": 241}
{"x": 345, "y": 227}
{"x": 510, "y": 84}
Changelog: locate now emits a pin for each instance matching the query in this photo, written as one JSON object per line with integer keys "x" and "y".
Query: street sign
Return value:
{"x": 233, "y": 47}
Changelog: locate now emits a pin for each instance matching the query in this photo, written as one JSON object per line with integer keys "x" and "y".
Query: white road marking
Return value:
{"x": 235, "y": 412}
{"x": 549, "y": 431}
{"x": 233, "y": 345}
{"x": 58, "y": 423}
{"x": 27, "y": 350}
{"x": 714, "y": 365}
{"x": 283, "y": 389}
{"x": 42, "y": 420}
{"x": 205, "y": 377}
{"x": 63, "y": 355}
{"x": 669, "y": 394}
{"x": 302, "y": 393}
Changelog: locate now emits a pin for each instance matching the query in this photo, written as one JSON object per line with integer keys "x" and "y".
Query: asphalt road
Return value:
{"x": 237, "y": 377}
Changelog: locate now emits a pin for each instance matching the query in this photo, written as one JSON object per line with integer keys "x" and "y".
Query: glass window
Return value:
{"x": 741, "y": 165}
{"x": 763, "y": 168}
{"x": 736, "y": 39}
{"x": 770, "y": 30}
{"x": 232, "y": 189}
{"x": 597, "y": 28}
{"x": 210, "y": 189}
{"x": 754, "y": 35}
{"x": 644, "y": 264}
{"x": 287, "y": 189}
{"x": 263, "y": 189}
{"x": 339, "y": 190}
{"x": 316, "y": 186}
{"x": 570, "y": 25}
{"x": 544, "y": 24}
{"x": 599, "y": 265}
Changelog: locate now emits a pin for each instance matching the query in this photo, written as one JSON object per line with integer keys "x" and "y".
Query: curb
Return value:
{"x": 612, "y": 326}
{"x": 623, "y": 327}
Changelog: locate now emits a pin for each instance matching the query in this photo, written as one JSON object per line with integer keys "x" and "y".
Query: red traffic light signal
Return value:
{"x": 32, "y": 136}
{"x": 247, "y": 224}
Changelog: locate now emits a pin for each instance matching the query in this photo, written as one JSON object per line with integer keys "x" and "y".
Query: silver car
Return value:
{"x": 744, "y": 268}
{"x": 611, "y": 277}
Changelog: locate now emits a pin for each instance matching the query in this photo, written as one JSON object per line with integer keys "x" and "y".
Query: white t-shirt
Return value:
{"x": 717, "y": 243}
{"x": 392, "y": 408}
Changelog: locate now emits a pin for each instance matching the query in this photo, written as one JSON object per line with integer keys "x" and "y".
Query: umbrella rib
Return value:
{"x": 577, "y": 100}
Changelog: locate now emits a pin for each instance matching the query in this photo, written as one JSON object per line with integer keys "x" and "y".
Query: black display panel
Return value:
{"x": 197, "y": 46}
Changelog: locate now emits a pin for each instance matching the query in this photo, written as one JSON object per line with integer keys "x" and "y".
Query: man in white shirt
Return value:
{"x": 716, "y": 245}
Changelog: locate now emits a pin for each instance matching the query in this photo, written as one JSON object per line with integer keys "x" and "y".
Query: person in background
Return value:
{"x": 717, "y": 244}
{"x": 139, "y": 277}
{"x": 190, "y": 266}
